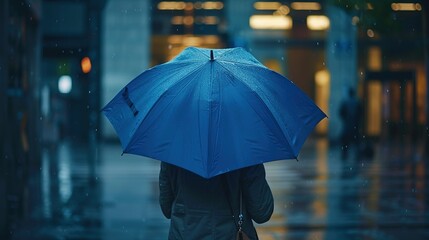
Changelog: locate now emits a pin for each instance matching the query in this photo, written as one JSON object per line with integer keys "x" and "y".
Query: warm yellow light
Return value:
{"x": 355, "y": 20}
{"x": 212, "y": 5}
{"x": 188, "y": 20}
{"x": 86, "y": 64}
{"x": 192, "y": 41}
{"x": 374, "y": 105}
{"x": 374, "y": 59}
{"x": 177, "y": 20}
{"x": 323, "y": 85}
{"x": 266, "y": 5}
{"x": 175, "y": 39}
{"x": 210, "y": 20}
{"x": 406, "y": 7}
{"x": 171, "y": 5}
{"x": 282, "y": 10}
{"x": 306, "y": 6}
{"x": 189, "y": 6}
{"x": 370, "y": 33}
{"x": 322, "y": 78}
{"x": 211, "y": 39}
{"x": 318, "y": 22}
{"x": 270, "y": 22}
{"x": 418, "y": 6}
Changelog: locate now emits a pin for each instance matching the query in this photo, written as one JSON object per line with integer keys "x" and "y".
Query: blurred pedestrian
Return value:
{"x": 350, "y": 113}
{"x": 202, "y": 208}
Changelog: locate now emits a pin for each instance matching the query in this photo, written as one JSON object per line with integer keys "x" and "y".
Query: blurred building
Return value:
{"x": 71, "y": 68}
{"x": 323, "y": 46}
{"x": 49, "y": 88}
{"x": 19, "y": 106}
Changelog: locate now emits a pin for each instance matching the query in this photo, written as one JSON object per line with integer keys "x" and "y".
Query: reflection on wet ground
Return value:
{"x": 98, "y": 194}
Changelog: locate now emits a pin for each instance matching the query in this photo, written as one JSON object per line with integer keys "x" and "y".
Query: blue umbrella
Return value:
{"x": 212, "y": 111}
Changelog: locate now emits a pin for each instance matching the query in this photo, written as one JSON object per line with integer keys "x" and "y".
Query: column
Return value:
{"x": 341, "y": 56}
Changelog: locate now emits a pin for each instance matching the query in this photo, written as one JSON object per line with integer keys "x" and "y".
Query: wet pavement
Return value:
{"x": 99, "y": 194}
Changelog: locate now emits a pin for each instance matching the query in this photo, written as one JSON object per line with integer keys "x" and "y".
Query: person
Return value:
{"x": 200, "y": 208}
{"x": 350, "y": 113}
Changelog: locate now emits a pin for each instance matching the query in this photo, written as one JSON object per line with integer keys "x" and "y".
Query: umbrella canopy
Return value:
{"x": 212, "y": 111}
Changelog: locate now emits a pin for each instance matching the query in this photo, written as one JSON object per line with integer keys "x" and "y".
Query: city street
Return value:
{"x": 83, "y": 194}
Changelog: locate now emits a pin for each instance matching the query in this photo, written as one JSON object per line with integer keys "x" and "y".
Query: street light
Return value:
{"x": 65, "y": 84}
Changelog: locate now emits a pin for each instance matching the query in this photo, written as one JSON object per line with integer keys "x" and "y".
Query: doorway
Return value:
{"x": 390, "y": 103}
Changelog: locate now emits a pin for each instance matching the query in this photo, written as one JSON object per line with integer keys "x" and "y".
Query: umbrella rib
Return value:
{"x": 285, "y": 134}
{"x": 156, "y": 102}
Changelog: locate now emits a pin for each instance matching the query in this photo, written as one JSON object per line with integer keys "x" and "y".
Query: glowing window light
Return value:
{"x": 211, "y": 39}
{"x": 85, "y": 64}
{"x": 282, "y": 10}
{"x": 211, "y": 20}
{"x": 177, "y": 20}
{"x": 171, "y": 5}
{"x": 266, "y": 5}
{"x": 189, "y": 6}
{"x": 317, "y": 22}
{"x": 370, "y": 33}
{"x": 212, "y": 5}
{"x": 306, "y": 6}
{"x": 270, "y": 22}
{"x": 192, "y": 41}
{"x": 65, "y": 84}
{"x": 188, "y": 20}
{"x": 355, "y": 20}
{"x": 175, "y": 39}
{"x": 406, "y": 7}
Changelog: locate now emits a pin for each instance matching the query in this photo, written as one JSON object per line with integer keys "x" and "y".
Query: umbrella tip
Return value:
{"x": 211, "y": 55}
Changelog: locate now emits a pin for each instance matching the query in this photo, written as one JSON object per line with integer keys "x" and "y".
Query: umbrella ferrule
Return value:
{"x": 211, "y": 55}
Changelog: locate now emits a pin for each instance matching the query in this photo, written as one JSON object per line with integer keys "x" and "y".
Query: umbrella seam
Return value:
{"x": 286, "y": 135}
{"x": 150, "y": 109}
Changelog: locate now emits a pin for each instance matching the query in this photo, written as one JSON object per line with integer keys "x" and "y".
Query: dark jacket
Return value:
{"x": 199, "y": 207}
